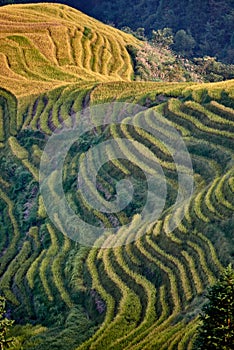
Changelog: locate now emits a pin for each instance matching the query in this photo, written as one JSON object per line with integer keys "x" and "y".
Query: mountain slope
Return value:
{"x": 146, "y": 294}
{"x": 211, "y": 23}
{"x": 55, "y": 44}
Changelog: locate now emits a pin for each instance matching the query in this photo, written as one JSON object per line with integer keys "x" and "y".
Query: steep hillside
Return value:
{"x": 55, "y": 45}
{"x": 207, "y": 26}
{"x": 147, "y": 292}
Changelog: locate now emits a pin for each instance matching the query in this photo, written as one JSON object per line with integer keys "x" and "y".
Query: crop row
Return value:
{"x": 11, "y": 249}
{"x": 13, "y": 266}
{"x": 221, "y": 137}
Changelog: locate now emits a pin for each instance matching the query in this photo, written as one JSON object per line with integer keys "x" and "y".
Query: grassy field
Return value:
{"x": 141, "y": 295}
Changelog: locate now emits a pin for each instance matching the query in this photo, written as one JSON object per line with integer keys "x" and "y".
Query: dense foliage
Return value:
{"x": 5, "y": 325}
{"x": 217, "y": 330}
{"x": 208, "y": 25}
{"x": 155, "y": 62}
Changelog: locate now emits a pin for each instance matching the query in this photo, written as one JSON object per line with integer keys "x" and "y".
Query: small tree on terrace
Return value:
{"x": 5, "y": 324}
{"x": 217, "y": 329}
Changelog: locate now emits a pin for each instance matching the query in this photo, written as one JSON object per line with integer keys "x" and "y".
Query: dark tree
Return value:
{"x": 184, "y": 43}
{"x": 217, "y": 329}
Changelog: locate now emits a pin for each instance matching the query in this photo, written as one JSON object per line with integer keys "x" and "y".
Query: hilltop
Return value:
{"x": 57, "y": 45}
{"x": 207, "y": 26}
{"x": 146, "y": 293}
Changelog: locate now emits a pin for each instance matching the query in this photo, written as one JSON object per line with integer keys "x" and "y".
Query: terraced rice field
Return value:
{"x": 56, "y": 45}
{"x": 146, "y": 294}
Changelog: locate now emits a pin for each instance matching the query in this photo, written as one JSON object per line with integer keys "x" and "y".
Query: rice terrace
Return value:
{"x": 141, "y": 285}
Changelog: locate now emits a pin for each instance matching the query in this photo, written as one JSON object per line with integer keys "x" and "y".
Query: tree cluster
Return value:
{"x": 201, "y": 28}
{"x": 217, "y": 318}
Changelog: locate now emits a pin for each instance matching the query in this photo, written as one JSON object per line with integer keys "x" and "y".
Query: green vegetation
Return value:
{"x": 156, "y": 61}
{"x": 216, "y": 331}
{"x": 200, "y": 27}
{"x": 144, "y": 293}
{"x": 5, "y": 325}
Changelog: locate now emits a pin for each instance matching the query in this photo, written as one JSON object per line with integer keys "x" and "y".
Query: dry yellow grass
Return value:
{"x": 43, "y": 46}
{"x": 46, "y": 45}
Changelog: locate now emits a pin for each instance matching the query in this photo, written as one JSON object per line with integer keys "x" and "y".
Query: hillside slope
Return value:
{"x": 144, "y": 293}
{"x": 211, "y": 23}
{"x": 55, "y": 44}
